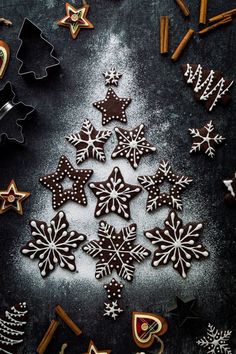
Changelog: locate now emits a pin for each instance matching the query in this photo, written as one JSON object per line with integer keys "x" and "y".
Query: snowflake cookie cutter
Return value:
{"x": 9, "y": 109}
{"x": 30, "y": 67}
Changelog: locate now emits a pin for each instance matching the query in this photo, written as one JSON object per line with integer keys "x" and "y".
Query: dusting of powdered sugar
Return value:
{"x": 116, "y": 54}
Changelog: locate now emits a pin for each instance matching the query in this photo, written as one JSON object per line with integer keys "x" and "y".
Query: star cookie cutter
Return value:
{"x": 11, "y": 113}
{"x": 35, "y": 52}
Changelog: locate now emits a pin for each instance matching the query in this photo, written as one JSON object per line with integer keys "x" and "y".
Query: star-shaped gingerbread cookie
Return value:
{"x": 114, "y": 195}
{"x": 113, "y": 289}
{"x": 54, "y": 181}
{"x": 153, "y": 184}
{"x": 76, "y": 19}
{"x": 230, "y": 197}
{"x": 112, "y": 107}
{"x": 89, "y": 142}
{"x": 132, "y": 145}
{"x": 12, "y": 198}
{"x": 93, "y": 350}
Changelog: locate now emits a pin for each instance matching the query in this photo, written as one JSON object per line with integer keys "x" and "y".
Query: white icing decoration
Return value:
{"x": 10, "y": 333}
{"x": 112, "y": 77}
{"x": 215, "y": 341}
{"x": 209, "y": 90}
{"x": 208, "y": 138}
{"x": 114, "y": 195}
{"x": 177, "y": 243}
{"x": 53, "y": 244}
{"x": 122, "y": 253}
{"x": 228, "y": 184}
{"x": 132, "y": 145}
{"x": 91, "y": 145}
{"x": 112, "y": 310}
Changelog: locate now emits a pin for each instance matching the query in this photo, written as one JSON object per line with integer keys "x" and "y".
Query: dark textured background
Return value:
{"x": 160, "y": 81}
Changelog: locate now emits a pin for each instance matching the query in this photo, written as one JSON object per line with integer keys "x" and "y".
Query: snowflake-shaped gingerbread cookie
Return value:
{"x": 53, "y": 244}
{"x": 132, "y": 145}
{"x": 114, "y": 195}
{"x": 216, "y": 342}
{"x": 116, "y": 251}
{"x": 205, "y": 139}
{"x": 112, "y": 310}
{"x": 89, "y": 142}
{"x": 177, "y": 243}
{"x": 153, "y": 183}
{"x": 112, "y": 77}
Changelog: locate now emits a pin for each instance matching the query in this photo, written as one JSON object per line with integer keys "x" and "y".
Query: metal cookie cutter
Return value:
{"x": 35, "y": 52}
{"x": 12, "y": 114}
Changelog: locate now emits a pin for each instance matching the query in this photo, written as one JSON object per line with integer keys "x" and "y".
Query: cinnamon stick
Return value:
{"x": 225, "y": 21}
{"x": 164, "y": 34}
{"x": 222, "y": 16}
{"x": 178, "y": 51}
{"x": 183, "y": 7}
{"x": 203, "y": 12}
{"x": 63, "y": 315}
{"x": 47, "y": 337}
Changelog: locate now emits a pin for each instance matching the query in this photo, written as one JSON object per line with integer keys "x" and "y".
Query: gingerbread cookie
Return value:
{"x": 208, "y": 85}
{"x": 205, "y": 139}
{"x": 230, "y": 197}
{"x": 112, "y": 107}
{"x": 132, "y": 145}
{"x": 177, "y": 243}
{"x": 112, "y": 77}
{"x": 113, "y": 289}
{"x": 53, "y": 244}
{"x": 152, "y": 184}
{"x": 59, "y": 194}
{"x": 93, "y": 350}
{"x": 114, "y": 195}
{"x": 12, "y": 327}
{"x": 89, "y": 142}
{"x": 12, "y": 198}
{"x": 116, "y": 251}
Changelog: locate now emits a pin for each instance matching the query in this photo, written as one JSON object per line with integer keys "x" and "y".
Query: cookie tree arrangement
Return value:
{"x": 117, "y": 252}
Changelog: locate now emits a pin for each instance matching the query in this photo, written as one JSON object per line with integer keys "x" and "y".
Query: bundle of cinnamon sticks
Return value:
{"x": 213, "y": 23}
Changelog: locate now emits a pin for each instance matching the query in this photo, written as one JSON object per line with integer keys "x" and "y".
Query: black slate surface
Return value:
{"x": 169, "y": 103}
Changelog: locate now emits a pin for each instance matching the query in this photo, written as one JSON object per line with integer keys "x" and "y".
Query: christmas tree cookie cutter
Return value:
{"x": 36, "y": 53}
{"x": 12, "y": 112}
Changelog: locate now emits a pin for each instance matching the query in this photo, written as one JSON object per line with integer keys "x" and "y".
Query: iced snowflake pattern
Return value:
{"x": 177, "y": 243}
{"x": 53, "y": 244}
{"x": 116, "y": 251}
{"x": 152, "y": 184}
{"x": 132, "y": 145}
{"x": 216, "y": 342}
{"x": 114, "y": 195}
{"x": 112, "y": 77}
{"x": 205, "y": 139}
{"x": 89, "y": 142}
{"x": 112, "y": 310}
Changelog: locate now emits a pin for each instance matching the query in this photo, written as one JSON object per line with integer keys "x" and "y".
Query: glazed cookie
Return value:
{"x": 205, "y": 139}
{"x": 132, "y": 145}
{"x": 89, "y": 142}
{"x": 112, "y": 77}
{"x": 113, "y": 107}
{"x": 54, "y": 181}
{"x": 116, "y": 251}
{"x": 152, "y": 184}
{"x": 209, "y": 86}
{"x": 114, "y": 195}
{"x": 113, "y": 289}
{"x": 177, "y": 243}
{"x": 53, "y": 244}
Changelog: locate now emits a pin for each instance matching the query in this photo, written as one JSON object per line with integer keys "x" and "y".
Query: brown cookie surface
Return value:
{"x": 112, "y": 107}
{"x": 152, "y": 184}
{"x": 177, "y": 243}
{"x": 89, "y": 142}
{"x": 209, "y": 86}
{"x": 54, "y": 181}
{"x": 132, "y": 145}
